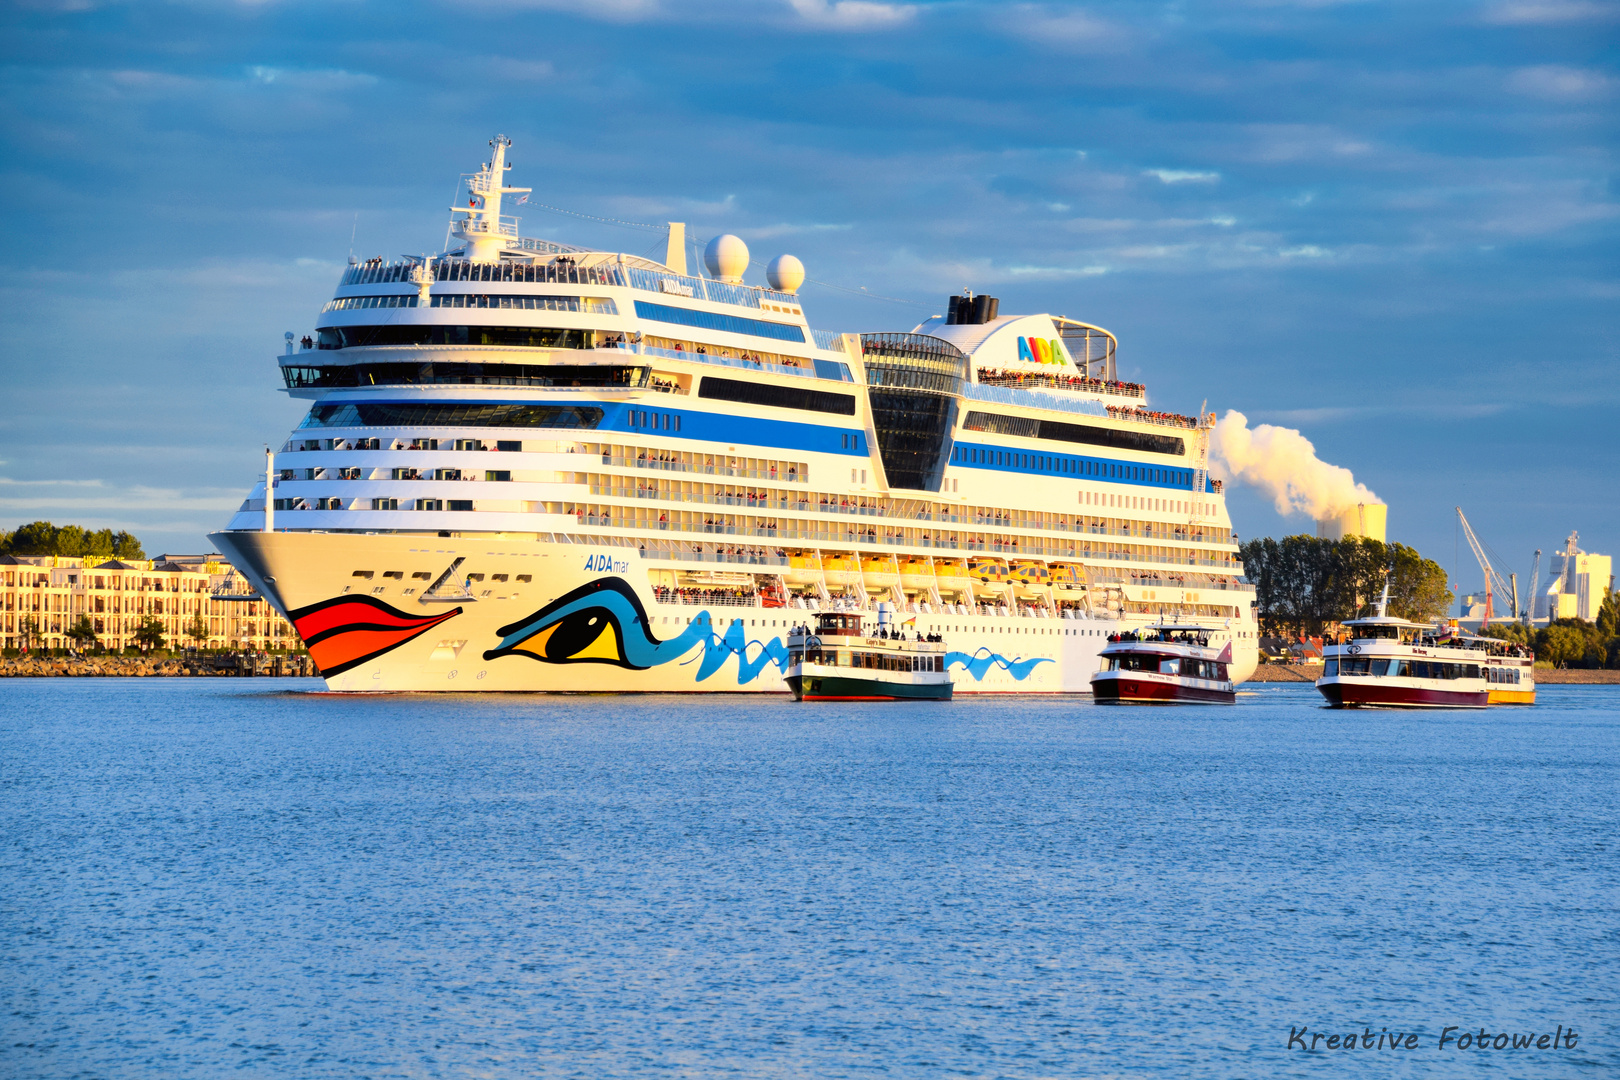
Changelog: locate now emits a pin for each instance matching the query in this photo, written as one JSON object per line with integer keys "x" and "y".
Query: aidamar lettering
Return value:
{"x": 1305, "y": 1039}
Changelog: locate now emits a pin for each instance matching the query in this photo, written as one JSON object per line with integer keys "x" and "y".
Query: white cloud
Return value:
{"x": 852, "y": 14}
{"x": 1074, "y": 31}
{"x": 1555, "y": 82}
{"x": 1531, "y": 12}
{"x": 1183, "y": 176}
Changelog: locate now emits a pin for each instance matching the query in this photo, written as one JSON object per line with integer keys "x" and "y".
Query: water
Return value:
{"x": 201, "y": 878}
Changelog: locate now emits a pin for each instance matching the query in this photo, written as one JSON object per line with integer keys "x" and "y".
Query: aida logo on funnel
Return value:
{"x": 1034, "y": 350}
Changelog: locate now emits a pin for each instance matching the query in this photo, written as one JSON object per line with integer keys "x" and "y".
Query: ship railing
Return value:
{"x": 702, "y": 288}
{"x": 483, "y": 226}
{"x": 1034, "y": 381}
{"x": 1032, "y": 399}
{"x": 1148, "y": 416}
{"x": 695, "y": 598}
{"x": 701, "y": 470}
{"x": 807, "y": 371}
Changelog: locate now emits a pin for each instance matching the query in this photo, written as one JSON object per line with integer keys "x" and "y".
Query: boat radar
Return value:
{"x": 785, "y": 274}
{"x": 727, "y": 258}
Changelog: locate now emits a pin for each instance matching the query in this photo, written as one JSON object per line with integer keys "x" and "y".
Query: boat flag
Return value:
{"x": 523, "y": 200}
{"x": 1226, "y": 655}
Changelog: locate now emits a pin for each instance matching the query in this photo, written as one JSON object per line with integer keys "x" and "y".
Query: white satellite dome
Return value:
{"x": 785, "y": 273}
{"x": 727, "y": 258}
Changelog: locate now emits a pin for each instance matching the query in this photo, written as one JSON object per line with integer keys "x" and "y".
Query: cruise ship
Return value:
{"x": 531, "y": 466}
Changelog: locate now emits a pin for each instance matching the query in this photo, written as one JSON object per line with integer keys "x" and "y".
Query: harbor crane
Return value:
{"x": 1535, "y": 580}
{"x": 1493, "y": 581}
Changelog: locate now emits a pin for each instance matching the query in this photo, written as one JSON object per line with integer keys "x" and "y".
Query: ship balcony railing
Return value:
{"x": 702, "y": 470}
{"x": 808, "y": 371}
{"x": 1032, "y": 381}
{"x": 1148, "y": 416}
{"x": 699, "y": 597}
{"x": 478, "y": 226}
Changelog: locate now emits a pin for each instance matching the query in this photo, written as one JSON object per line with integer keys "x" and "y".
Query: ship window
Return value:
{"x": 525, "y": 577}
{"x": 461, "y": 504}
{"x": 780, "y": 397}
{"x": 482, "y": 374}
{"x": 425, "y": 415}
{"x": 367, "y": 574}
{"x": 533, "y": 337}
{"x": 713, "y": 320}
{"x": 421, "y": 575}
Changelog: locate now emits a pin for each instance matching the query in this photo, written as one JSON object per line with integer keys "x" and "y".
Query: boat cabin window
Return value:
{"x": 1365, "y": 632}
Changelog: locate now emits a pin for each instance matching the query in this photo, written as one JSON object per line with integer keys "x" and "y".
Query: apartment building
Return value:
{"x": 43, "y": 596}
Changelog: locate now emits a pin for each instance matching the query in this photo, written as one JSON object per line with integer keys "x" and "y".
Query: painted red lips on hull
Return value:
{"x": 346, "y": 631}
{"x": 1381, "y": 695}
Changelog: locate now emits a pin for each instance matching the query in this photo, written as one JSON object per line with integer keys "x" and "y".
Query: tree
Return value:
{"x": 1419, "y": 589}
{"x": 1303, "y": 583}
{"x": 149, "y": 635}
{"x": 1560, "y": 644}
{"x": 43, "y": 538}
{"x": 1608, "y": 620}
{"x": 197, "y": 630}
{"x": 83, "y": 634}
{"x": 28, "y": 629}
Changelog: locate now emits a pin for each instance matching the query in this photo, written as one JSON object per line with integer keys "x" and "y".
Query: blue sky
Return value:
{"x": 1392, "y": 226}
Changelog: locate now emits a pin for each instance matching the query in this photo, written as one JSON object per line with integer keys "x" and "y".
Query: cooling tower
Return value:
{"x": 1363, "y": 519}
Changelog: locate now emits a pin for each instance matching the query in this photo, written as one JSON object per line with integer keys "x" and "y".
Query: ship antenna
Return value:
{"x": 1383, "y": 601}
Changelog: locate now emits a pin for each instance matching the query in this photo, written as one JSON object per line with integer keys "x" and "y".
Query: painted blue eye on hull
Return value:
{"x": 571, "y": 629}
{"x": 612, "y": 602}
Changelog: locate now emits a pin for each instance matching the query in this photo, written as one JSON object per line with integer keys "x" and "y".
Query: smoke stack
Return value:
{"x": 1363, "y": 519}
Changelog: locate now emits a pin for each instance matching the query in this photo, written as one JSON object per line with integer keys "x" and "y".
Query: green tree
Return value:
{"x": 197, "y": 630}
{"x": 28, "y": 630}
{"x": 44, "y": 538}
{"x": 149, "y": 635}
{"x": 1608, "y": 620}
{"x": 1419, "y": 589}
{"x": 83, "y": 633}
{"x": 1560, "y": 644}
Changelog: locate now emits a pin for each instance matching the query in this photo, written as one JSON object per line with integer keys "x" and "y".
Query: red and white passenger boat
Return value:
{"x": 1166, "y": 663}
{"x": 1390, "y": 663}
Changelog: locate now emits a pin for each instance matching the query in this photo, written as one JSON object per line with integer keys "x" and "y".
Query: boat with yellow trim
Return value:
{"x": 844, "y": 658}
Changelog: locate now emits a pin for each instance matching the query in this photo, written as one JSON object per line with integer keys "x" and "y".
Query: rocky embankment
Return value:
{"x": 125, "y": 666}
{"x": 1307, "y": 673}
{"x": 1285, "y": 673}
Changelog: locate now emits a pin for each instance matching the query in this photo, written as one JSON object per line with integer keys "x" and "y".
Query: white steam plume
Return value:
{"x": 1282, "y": 463}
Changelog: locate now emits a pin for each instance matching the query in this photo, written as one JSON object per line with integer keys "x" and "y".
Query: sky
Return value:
{"x": 1391, "y": 227}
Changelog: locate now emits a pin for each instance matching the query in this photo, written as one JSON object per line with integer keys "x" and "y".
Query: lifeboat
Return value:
{"x": 1067, "y": 576}
{"x": 841, "y": 570}
{"x": 1029, "y": 573}
{"x": 951, "y": 575}
{"x": 803, "y": 568}
{"x": 880, "y": 571}
{"x": 916, "y": 574}
{"x": 987, "y": 570}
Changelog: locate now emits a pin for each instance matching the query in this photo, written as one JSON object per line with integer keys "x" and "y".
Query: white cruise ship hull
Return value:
{"x": 368, "y": 635}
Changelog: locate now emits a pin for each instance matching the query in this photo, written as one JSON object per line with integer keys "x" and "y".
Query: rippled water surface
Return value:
{"x": 208, "y": 878}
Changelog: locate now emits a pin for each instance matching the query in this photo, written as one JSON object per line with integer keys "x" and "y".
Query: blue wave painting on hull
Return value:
{"x": 603, "y": 622}
{"x": 716, "y": 651}
{"x": 980, "y": 662}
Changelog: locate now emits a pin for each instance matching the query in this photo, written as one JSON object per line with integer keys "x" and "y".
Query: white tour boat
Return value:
{"x": 1165, "y": 664}
{"x": 845, "y": 659}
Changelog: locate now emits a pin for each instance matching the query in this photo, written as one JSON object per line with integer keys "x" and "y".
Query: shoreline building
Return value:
{"x": 43, "y": 596}
{"x": 1577, "y": 591}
